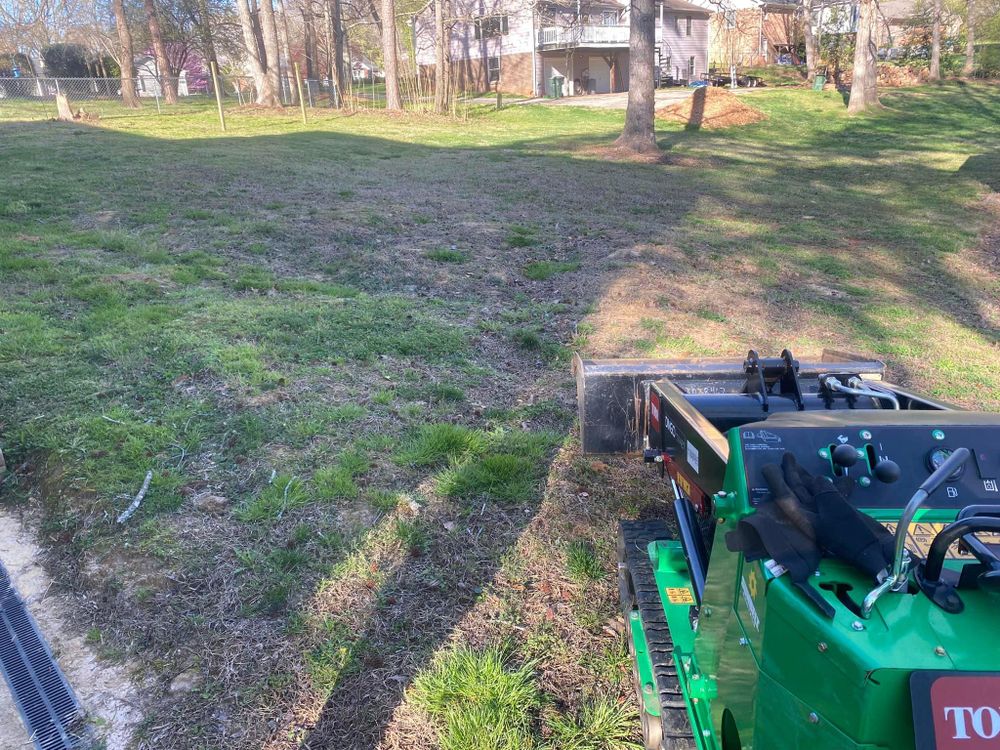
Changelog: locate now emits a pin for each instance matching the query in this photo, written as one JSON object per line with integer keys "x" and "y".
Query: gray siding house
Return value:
{"x": 569, "y": 48}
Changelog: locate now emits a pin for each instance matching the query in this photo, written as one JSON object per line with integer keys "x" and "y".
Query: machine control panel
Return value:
{"x": 886, "y": 462}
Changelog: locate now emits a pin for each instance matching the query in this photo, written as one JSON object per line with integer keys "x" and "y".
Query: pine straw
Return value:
{"x": 712, "y": 108}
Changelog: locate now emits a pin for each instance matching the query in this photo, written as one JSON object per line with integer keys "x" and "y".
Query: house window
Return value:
{"x": 609, "y": 18}
{"x": 677, "y": 24}
{"x": 493, "y": 69}
{"x": 691, "y": 68}
{"x": 688, "y": 26}
{"x": 490, "y": 26}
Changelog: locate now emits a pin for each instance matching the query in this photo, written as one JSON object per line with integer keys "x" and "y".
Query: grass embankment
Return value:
{"x": 341, "y": 349}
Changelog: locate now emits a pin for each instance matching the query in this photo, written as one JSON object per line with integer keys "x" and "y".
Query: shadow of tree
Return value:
{"x": 765, "y": 213}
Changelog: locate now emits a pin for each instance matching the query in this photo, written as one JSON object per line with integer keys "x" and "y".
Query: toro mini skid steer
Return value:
{"x": 833, "y": 581}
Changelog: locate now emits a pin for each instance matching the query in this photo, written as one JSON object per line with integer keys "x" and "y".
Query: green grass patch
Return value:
{"x": 445, "y": 255}
{"x": 435, "y": 444}
{"x": 413, "y": 535}
{"x": 601, "y": 724}
{"x": 337, "y": 482}
{"x": 582, "y": 562}
{"x": 480, "y": 700}
{"x": 540, "y": 270}
{"x": 336, "y": 656}
{"x": 283, "y": 494}
{"x": 521, "y": 236}
{"x": 509, "y": 471}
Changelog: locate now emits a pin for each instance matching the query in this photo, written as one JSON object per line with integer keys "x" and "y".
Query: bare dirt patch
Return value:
{"x": 712, "y": 108}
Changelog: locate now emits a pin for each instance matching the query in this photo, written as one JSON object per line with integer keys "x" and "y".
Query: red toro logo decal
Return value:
{"x": 956, "y": 710}
{"x": 654, "y": 409}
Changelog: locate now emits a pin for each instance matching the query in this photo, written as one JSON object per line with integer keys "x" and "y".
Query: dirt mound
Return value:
{"x": 712, "y": 108}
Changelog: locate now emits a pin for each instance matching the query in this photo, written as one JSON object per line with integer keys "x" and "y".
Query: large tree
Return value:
{"x": 266, "y": 94}
{"x": 167, "y": 81}
{"x": 638, "y": 133}
{"x": 442, "y": 75}
{"x": 339, "y": 73}
{"x": 204, "y": 26}
{"x": 936, "y": 41}
{"x": 809, "y": 33}
{"x": 272, "y": 64}
{"x": 864, "y": 80}
{"x": 126, "y": 60}
{"x": 390, "y": 57}
{"x": 286, "y": 53}
{"x": 970, "y": 38}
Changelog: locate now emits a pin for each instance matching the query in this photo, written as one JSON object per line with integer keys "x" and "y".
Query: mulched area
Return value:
{"x": 712, "y": 108}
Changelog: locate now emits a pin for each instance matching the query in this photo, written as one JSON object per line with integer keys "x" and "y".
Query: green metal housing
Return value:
{"x": 762, "y": 669}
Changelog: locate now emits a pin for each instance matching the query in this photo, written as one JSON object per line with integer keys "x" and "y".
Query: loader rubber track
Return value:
{"x": 633, "y": 543}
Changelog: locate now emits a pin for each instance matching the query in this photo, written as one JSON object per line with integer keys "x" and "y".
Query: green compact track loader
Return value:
{"x": 830, "y": 576}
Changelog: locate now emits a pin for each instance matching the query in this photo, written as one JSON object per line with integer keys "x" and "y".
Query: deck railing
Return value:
{"x": 575, "y": 36}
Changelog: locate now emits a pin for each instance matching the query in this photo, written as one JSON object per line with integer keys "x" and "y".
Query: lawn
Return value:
{"x": 342, "y": 349}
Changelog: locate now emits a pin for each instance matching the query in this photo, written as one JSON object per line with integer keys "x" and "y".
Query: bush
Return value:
{"x": 66, "y": 61}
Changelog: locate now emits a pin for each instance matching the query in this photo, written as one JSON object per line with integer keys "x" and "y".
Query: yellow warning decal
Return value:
{"x": 679, "y": 596}
{"x": 685, "y": 485}
{"x": 922, "y": 534}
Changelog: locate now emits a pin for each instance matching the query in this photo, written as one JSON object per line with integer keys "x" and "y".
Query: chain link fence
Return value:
{"x": 106, "y": 98}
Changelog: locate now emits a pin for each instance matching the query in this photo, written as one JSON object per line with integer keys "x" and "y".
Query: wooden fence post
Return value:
{"x": 298, "y": 83}
{"x": 218, "y": 96}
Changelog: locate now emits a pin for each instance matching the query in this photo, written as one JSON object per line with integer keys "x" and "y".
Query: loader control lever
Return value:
{"x": 887, "y": 471}
{"x": 899, "y": 574}
{"x": 845, "y": 455}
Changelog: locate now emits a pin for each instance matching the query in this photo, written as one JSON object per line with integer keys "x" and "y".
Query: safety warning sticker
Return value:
{"x": 922, "y": 534}
{"x": 680, "y": 595}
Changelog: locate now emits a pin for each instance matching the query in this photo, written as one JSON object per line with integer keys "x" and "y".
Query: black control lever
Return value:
{"x": 845, "y": 455}
{"x": 887, "y": 471}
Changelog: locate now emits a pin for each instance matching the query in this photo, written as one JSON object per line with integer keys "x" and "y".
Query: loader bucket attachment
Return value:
{"x": 611, "y": 392}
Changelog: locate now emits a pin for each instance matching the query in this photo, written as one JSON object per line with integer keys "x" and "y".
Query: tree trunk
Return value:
{"x": 309, "y": 35}
{"x": 864, "y": 82}
{"x": 205, "y": 33}
{"x": 936, "y": 41}
{"x": 612, "y": 63}
{"x": 286, "y": 52}
{"x": 65, "y": 112}
{"x": 167, "y": 81}
{"x": 265, "y": 92}
{"x": 638, "y": 133}
{"x": 970, "y": 39}
{"x": 269, "y": 29}
{"x": 442, "y": 94}
{"x": 810, "y": 38}
{"x": 390, "y": 54}
{"x": 127, "y": 59}
{"x": 338, "y": 48}
{"x": 331, "y": 64}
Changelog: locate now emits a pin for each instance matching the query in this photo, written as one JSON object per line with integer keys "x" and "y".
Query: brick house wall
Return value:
{"x": 751, "y": 36}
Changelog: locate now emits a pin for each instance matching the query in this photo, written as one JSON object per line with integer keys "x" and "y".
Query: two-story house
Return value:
{"x": 559, "y": 47}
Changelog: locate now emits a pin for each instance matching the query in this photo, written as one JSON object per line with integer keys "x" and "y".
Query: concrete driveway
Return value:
{"x": 615, "y": 101}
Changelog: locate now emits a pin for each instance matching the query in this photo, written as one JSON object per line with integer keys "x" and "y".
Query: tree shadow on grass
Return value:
{"x": 585, "y": 208}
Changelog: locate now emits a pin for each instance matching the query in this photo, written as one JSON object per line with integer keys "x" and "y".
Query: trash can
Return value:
{"x": 819, "y": 82}
{"x": 557, "y": 87}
